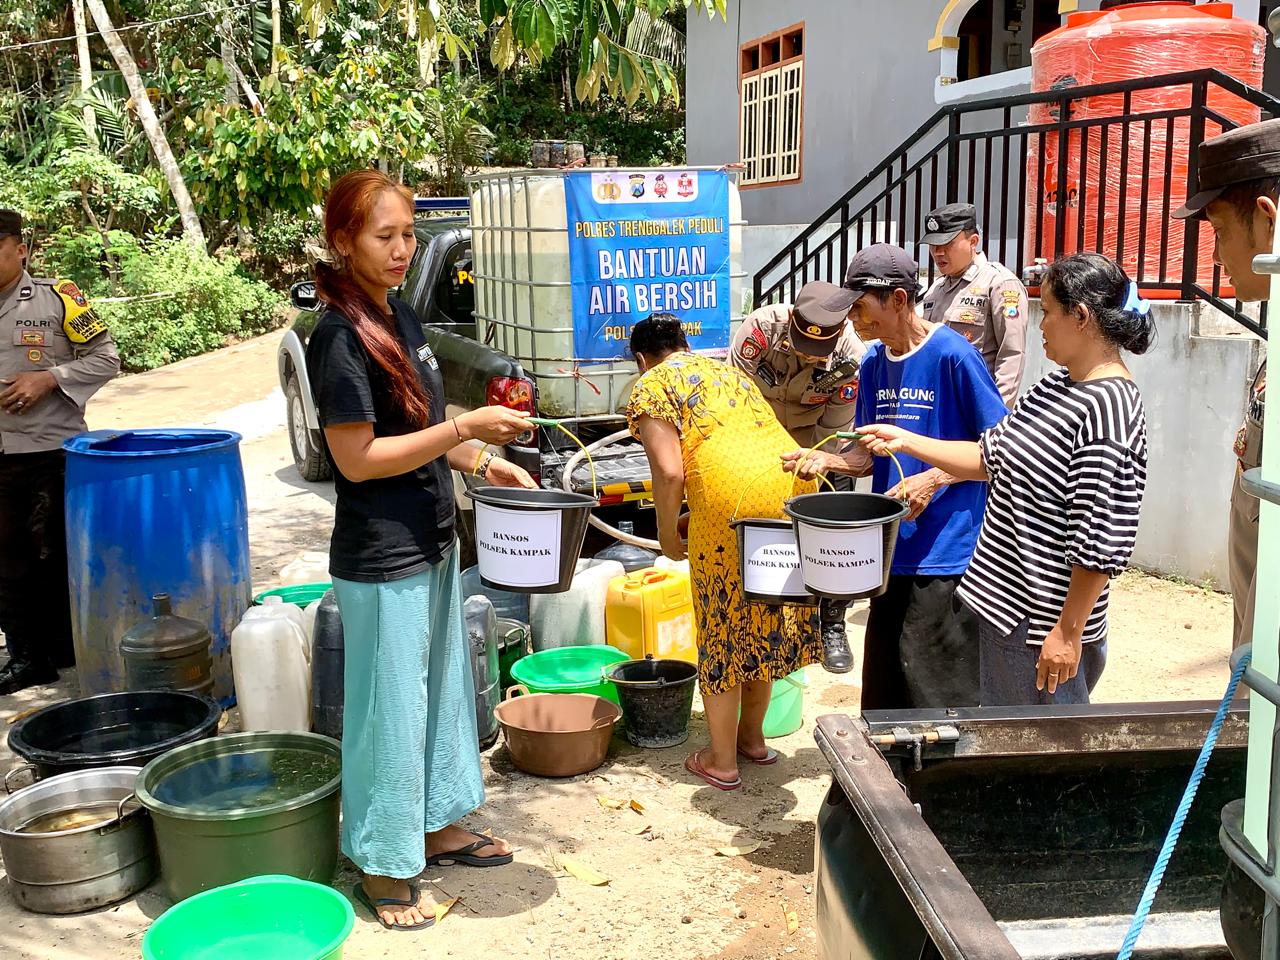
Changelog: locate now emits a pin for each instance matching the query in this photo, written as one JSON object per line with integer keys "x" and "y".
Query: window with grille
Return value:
{"x": 771, "y": 121}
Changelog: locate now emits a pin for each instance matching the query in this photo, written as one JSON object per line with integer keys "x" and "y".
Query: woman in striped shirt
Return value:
{"x": 1067, "y": 470}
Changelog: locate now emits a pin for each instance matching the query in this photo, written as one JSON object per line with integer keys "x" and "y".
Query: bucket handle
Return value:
{"x": 131, "y": 795}
{"x": 516, "y": 690}
{"x": 21, "y": 768}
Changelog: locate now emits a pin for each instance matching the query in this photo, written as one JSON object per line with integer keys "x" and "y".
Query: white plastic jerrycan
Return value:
{"x": 271, "y": 663}
{"x": 311, "y": 567}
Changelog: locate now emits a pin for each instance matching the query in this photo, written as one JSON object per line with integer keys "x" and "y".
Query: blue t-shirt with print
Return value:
{"x": 941, "y": 389}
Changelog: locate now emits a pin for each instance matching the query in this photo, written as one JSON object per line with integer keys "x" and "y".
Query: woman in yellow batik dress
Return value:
{"x": 711, "y": 438}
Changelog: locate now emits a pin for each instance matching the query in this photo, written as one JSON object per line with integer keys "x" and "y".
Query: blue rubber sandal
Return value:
{"x": 362, "y": 897}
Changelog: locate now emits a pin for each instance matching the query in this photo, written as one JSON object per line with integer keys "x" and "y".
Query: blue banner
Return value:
{"x": 642, "y": 242}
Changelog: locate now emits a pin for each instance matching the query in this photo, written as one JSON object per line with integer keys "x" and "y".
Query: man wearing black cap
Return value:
{"x": 804, "y": 359}
{"x": 921, "y": 643}
{"x": 54, "y": 355}
{"x": 1239, "y": 181}
{"x": 982, "y": 301}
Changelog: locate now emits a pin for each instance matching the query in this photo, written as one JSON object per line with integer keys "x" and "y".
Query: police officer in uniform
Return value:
{"x": 54, "y": 355}
{"x": 1239, "y": 188}
{"x": 805, "y": 361}
{"x": 982, "y": 301}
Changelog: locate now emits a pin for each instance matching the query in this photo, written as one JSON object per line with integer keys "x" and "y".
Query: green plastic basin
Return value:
{"x": 281, "y": 918}
{"x": 303, "y": 594}
{"x": 569, "y": 670}
{"x": 786, "y": 705}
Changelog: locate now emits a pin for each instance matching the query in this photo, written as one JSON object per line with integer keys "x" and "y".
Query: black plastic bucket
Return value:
{"x": 770, "y": 563}
{"x": 846, "y": 542}
{"x": 112, "y": 730}
{"x": 656, "y": 697}
{"x": 529, "y": 541}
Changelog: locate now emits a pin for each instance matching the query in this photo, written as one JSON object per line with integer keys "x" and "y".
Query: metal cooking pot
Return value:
{"x": 83, "y": 868}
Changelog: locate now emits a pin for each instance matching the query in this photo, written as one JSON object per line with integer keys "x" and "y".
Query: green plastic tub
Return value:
{"x": 569, "y": 670}
{"x": 281, "y": 918}
{"x": 244, "y": 805}
{"x": 786, "y": 705}
{"x": 303, "y": 594}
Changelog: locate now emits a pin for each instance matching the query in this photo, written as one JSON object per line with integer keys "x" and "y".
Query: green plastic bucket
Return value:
{"x": 303, "y": 594}
{"x": 282, "y": 918}
{"x": 569, "y": 670}
{"x": 786, "y": 705}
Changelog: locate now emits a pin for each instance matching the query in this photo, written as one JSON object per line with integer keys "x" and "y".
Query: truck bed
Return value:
{"x": 1019, "y": 832}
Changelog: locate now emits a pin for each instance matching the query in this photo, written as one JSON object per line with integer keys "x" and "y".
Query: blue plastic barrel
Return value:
{"x": 154, "y": 511}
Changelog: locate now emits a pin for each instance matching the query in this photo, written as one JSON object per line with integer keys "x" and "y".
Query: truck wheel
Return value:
{"x": 309, "y": 455}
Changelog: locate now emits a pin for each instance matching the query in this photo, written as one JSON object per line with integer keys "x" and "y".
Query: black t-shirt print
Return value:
{"x": 393, "y": 527}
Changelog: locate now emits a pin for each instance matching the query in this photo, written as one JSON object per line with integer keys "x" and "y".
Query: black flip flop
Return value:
{"x": 466, "y": 855}
{"x": 362, "y": 897}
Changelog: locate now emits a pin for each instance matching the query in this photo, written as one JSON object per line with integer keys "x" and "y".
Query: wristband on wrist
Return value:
{"x": 454, "y": 421}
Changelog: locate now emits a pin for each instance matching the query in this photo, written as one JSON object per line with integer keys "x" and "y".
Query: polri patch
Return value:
{"x": 848, "y": 393}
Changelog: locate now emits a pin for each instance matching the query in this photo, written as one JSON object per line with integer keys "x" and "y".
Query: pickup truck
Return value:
{"x": 1026, "y": 833}
{"x": 440, "y": 288}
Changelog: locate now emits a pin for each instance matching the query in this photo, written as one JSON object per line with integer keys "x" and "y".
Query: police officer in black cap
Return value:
{"x": 1239, "y": 181}
{"x": 982, "y": 301}
{"x": 54, "y": 355}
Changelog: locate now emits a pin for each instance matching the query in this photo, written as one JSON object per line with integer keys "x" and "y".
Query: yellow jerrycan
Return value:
{"x": 651, "y": 612}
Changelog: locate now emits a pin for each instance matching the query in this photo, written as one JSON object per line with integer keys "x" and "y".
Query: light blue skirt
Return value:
{"x": 410, "y": 755}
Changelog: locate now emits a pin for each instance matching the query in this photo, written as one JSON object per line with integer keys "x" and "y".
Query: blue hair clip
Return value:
{"x": 1135, "y": 304}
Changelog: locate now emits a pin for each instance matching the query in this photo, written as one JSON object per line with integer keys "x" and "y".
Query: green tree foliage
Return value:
{"x": 313, "y": 127}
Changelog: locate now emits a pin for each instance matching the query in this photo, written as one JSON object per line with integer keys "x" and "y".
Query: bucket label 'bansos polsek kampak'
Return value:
{"x": 841, "y": 561}
{"x": 772, "y": 562}
{"x": 518, "y": 547}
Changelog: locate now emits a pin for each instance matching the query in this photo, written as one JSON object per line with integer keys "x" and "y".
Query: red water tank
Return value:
{"x": 1125, "y": 42}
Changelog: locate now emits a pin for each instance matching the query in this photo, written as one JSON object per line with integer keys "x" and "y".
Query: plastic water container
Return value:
{"x": 786, "y": 705}
{"x": 328, "y": 660}
{"x": 632, "y": 558}
{"x": 311, "y": 567}
{"x": 574, "y": 618}
{"x": 512, "y": 606}
{"x": 482, "y": 636}
{"x": 680, "y": 566}
{"x": 650, "y": 613}
{"x": 271, "y": 661}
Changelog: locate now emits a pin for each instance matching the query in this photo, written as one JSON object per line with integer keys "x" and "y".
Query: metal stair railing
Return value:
{"x": 1129, "y": 159}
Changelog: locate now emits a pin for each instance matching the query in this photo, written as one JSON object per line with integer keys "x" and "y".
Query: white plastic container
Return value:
{"x": 524, "y": 302}
{"x": 271, "y": 663}
{"x": 574, "y": 618}
{"x": 311, "y": 567}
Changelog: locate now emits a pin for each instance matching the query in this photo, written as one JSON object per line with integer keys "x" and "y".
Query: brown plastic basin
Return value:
{"x": 557, "y": 734}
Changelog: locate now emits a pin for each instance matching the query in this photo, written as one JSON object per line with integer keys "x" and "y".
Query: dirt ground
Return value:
{"x": 669, "y": 895}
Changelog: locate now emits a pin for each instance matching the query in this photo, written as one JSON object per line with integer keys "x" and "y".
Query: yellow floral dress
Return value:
{"x": 729, "y": 437}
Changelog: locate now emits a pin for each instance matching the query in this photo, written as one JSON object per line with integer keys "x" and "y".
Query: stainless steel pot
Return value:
{"x": 78, "y": 869}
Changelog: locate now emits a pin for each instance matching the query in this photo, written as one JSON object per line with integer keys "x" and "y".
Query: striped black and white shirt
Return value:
{"x": 1068, "y": 467}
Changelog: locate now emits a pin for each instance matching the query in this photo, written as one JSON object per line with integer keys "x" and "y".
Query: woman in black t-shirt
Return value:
{"x": 410, "y": 754}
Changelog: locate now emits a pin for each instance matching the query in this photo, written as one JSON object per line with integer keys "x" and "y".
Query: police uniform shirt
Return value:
{"x": 987, "y": 305}
{"x": 810, "y": 401}
{"x": 49, "y": 325}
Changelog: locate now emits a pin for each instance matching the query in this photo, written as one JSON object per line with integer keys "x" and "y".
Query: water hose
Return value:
{"x": 1180, "y": 817}
{"x": 559, "y": 425}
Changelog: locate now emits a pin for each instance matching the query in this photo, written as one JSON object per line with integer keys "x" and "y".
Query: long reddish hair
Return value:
{"x": 347, "y": 210}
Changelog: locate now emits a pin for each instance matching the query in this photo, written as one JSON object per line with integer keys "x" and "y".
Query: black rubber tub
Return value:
{"x": 112, "y": 730}
{"x": 656, "y": 698}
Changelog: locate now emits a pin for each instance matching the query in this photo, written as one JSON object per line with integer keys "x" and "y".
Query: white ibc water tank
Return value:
{"x": 524, "y": 305}
{"x": 271, "y": 662}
